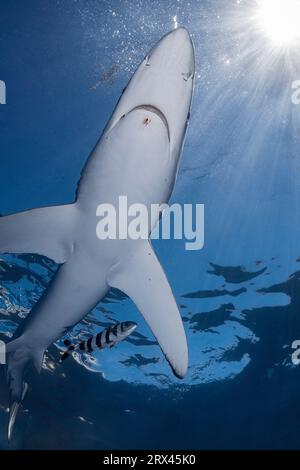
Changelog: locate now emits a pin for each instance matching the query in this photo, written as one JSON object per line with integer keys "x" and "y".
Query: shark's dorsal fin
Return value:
{"x": 141, "y": 277}
{"x": 46, "y": 231}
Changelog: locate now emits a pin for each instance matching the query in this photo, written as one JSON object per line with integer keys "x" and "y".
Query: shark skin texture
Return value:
{"x": 137, "y": 156}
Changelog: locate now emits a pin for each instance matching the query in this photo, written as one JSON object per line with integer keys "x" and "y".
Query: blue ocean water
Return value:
{"x": 65, "y": 64}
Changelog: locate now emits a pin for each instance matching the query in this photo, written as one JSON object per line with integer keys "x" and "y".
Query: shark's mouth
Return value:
{"x": 158, "y": 112}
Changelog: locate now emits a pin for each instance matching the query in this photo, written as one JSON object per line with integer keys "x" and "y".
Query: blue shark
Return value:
{"x": 137, "y": 155}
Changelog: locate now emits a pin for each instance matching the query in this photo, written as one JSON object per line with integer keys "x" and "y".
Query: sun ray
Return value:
{"x": 279, "y": 21}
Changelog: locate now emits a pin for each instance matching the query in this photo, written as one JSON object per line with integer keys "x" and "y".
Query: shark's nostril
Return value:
{"x": 187, "y": 76}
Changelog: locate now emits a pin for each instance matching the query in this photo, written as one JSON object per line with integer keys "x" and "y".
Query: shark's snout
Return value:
{"x": 175, "y": 50}
{"x": 163, "y": 84}
{"x": 180, "y": 36}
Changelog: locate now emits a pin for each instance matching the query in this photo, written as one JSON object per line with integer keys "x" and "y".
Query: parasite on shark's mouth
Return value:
{"x": 154, "y": 110}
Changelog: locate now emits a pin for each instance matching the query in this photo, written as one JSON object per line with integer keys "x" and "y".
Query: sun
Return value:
{"x": 280, "y": 21}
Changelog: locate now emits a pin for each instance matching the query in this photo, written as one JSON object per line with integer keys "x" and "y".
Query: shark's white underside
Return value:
{"x": 132, "y": 159}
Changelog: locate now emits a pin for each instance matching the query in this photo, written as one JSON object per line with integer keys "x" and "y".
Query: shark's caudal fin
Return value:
{"x": 142, "y": 278}
{"x": 19, "y": 357}
{"x": 46, "y": 231}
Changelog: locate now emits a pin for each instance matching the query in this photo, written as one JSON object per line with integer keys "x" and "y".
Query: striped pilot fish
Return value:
{"x": 107, "y": 338}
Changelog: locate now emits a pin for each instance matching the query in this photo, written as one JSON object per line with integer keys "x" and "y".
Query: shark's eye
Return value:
{"x": 147, "y": 61}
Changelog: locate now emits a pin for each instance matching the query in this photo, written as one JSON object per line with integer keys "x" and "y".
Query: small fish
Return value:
{"x": 107, "y": 338}
{"x": 107, "y": 77}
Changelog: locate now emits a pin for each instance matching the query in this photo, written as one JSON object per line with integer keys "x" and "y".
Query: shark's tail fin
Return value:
{"x": 19, "y": 357}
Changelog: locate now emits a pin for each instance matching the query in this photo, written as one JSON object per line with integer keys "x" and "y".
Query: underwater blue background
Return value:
{"x": 65, "y": 64}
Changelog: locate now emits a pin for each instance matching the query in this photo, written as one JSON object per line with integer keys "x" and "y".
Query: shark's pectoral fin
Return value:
{"x": 47, "y": 231}
{"x": 141, "y": 277}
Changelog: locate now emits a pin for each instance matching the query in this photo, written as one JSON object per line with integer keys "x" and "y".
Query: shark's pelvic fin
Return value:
{"x": 142, "y": 278}
{"x": 46, "y": 231}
